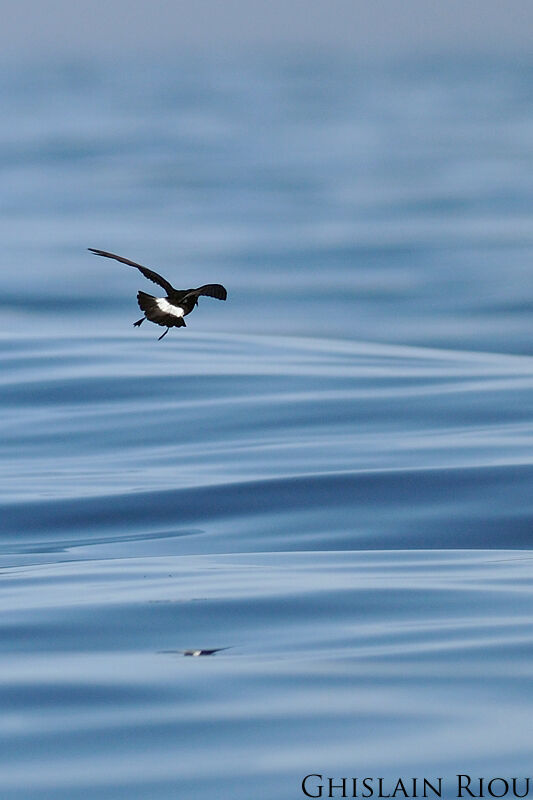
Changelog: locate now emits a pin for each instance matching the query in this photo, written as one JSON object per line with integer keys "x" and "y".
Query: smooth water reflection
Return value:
{"x": 336, "y": 663}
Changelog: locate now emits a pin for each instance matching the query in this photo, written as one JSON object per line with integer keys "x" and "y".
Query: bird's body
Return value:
{"x": 169, "y": 310}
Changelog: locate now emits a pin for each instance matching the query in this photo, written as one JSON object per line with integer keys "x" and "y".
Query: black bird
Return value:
{"x": 170, "y": 310}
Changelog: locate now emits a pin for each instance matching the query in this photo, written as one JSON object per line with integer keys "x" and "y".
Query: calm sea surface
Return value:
{"x": 328, "y": 476}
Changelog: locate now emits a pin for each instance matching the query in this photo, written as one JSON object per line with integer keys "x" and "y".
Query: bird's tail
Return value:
{"x": 146, "y": 301}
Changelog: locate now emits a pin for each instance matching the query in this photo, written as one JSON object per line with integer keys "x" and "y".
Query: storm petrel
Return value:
{"x": 166, "y": 311}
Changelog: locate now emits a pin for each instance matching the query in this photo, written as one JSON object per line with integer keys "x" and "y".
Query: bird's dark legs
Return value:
{"x": 140, "y": 322}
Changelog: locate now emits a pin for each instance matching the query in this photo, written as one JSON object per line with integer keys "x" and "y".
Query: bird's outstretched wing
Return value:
{"x": 209, "y": 290}
{"x": 148, "y": 273}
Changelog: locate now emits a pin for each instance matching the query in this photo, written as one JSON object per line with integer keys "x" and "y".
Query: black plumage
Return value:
{"x": 169, "y": 310}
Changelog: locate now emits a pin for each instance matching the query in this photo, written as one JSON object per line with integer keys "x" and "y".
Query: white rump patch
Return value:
{"x": 168, "y": 308}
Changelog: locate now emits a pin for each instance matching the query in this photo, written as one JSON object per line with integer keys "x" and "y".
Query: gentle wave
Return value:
{"x": 329, "y": 475}
{"x": 323, "y": 649}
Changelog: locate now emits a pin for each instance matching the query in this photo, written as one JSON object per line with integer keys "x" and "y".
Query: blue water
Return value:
{"x": 329, "y": 475}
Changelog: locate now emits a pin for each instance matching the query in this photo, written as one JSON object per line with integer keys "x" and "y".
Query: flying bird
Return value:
{"x": 167, "y": 311}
